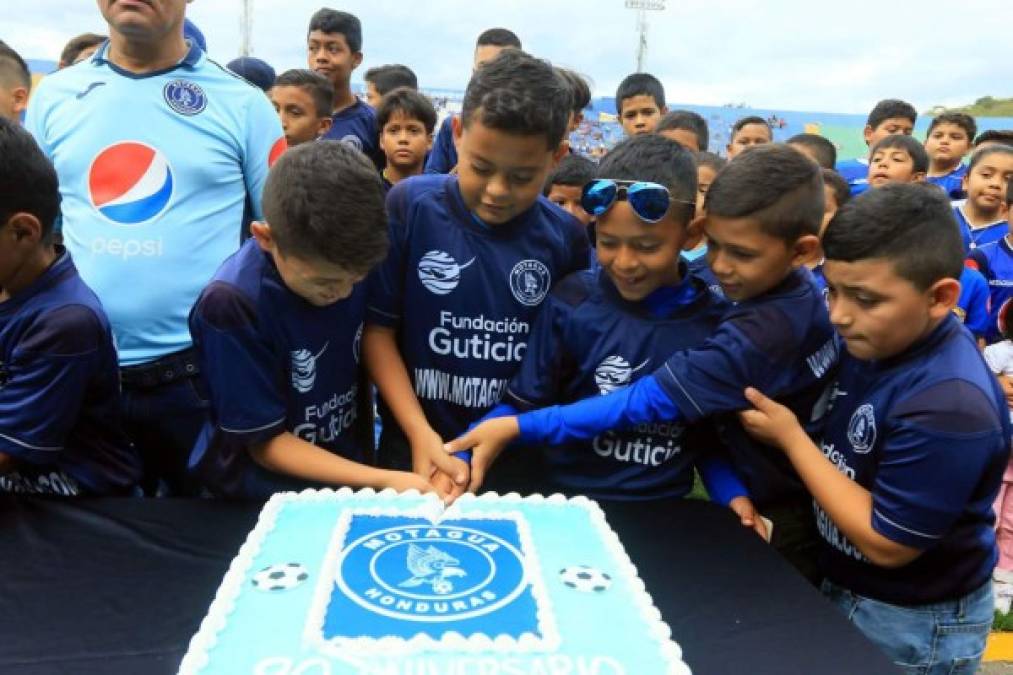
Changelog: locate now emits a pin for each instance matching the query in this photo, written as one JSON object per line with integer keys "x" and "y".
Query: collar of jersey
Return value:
{"x": 663, "y": 302}
{"x": 57, "y": 271}
{"x": 470, "y": 221}
{"x": 190, "y": 60}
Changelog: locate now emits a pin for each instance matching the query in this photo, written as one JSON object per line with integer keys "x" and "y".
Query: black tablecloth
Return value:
{"x": 111, "y": 586}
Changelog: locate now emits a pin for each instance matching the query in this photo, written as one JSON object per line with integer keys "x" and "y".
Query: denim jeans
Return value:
{"x": 946, "y": 638}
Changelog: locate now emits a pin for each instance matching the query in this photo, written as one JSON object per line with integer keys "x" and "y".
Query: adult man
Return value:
{"x": 158, "y": 150}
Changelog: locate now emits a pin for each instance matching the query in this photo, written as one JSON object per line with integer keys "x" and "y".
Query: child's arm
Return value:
{"x": 290, "y": 455}
{"x": 387, "y": 368}
{"x": 849, "y": 505}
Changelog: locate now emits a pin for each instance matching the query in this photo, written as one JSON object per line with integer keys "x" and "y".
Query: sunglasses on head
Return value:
{"x": 650, "y": 201}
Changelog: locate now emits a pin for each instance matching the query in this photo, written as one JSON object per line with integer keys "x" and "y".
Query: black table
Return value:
{"x": 111, "y": 586}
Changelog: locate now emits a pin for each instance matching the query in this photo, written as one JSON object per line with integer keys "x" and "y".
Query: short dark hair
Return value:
{"x": 78, "y": 44}
{"x": 572, "y": 170}
{"x": 910, "y": 145}
{"x": 773, "y": 184}
{"x": 580, "y": 90}
{"x": 982, "y": 153}
{"x": 411, "y": 104}
{"x": 390, "y": 77}
{"x": 962, "y": 120}
{"x": 888, "y": 109}
{"x": 313, "y": 83}
{"x": 709, "y": 159}
{"x": 325, "y": 201}
{"x": 689, "y": 121}
{"x": 1009, "y": 193}
{"x": 28, "y": 182}
{"x": 640, "y": 84}
{"x": 332, "y": 21}
{"x": 836, "y": 182}
{"x": 910, "y": 224}
{"x": 519, "y": 94}
{"x": 655, "y": 159}
{"x": 826, "y": 153}
{"x": 13, "y": 69}
{"x": 1004, "y": 136}
{"x": 498, "y": 37}
{"x": 751, "y": 119}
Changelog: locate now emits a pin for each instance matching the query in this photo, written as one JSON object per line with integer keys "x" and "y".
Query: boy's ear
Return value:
{"x": 560, "y": 152}
{"x": 356, "y": 60}
{"x": 694, "y": 233}
{"x": 261, "y": 231}
{"x": 943, "y": 296}
{"x": 429, "y": 141}
{"x": 867, "y": 133}
{"x": 804, "y": 249}
{"x": 24, "y": 227}
{"x": 19, "y": 95}
{"x": 457, "y": 127}
{"x": 325, "y": 125}
{"x": 918, "y": 177}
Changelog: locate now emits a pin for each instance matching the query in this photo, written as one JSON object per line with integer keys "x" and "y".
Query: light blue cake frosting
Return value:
{"x": 366, "y": 583}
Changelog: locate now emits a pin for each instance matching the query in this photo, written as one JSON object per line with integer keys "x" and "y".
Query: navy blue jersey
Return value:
{"x": 698, "y": 267}
{"x": 781, "y": 343}
{"x": 588, "y": 341}
{"x": 978, "y": 237}
{"x": 952, "y": 183}
{"x": 60, "y": 391}
{"x": 463, "y": 294}
{"x": 272, "y": 363}
{"x": 356, "y": 126}
{"x": 995, "y": 262}
{"x": 972, "y": 306}
{"x": 856, "y": 172}
{"x": 443, "y": 157}
{"x": 927, "y": 433}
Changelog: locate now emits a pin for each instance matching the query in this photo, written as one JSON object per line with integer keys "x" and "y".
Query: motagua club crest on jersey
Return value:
{"x": 184, "y": 97}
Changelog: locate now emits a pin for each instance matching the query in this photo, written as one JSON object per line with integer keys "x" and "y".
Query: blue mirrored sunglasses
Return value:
{"x": 650, "y": 201}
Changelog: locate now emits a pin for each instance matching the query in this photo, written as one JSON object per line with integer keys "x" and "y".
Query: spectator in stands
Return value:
{"x": 255, "y": 71}
{"x": 158, "y": 150}
{"x": 302, "y": 99}
{"x": 640, "y": 103}
{"x": 948, "y": 140}
{"x": 489, "y": 44}
{"x": 335, "y": 50}
{"x": 686, "y": 128}
{"x": 60, "y": 430}
{"x": 407, "y": 120}
{"x": 384, "y": 79}
{"x": 747, "y": 132}
{"x": 79, "y": 48}
{"x": 15, "y": 84}
{"x": 889, "y": 116}
{"x": 815, "y": 147}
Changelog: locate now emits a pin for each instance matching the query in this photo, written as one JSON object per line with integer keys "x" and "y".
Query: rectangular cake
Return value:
{"x": 366, "y": 583}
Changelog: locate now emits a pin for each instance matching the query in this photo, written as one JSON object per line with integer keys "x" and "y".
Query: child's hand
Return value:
{"x": 406, "y": 480}
{"x": 428, "y": 457}
{"x": 485, "y": 441}
{"x": 449, "y": 490}
{"x": 1007, "y": 389}
{"x": 748, "y": 515}
{"x": 770, "y": 422}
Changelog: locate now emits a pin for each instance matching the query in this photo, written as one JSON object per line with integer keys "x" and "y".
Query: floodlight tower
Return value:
{"x": 246, "y": 28}
{"x": 642, "y": 7}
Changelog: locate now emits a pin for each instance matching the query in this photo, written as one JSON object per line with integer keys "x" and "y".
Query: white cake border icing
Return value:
{"x": 197, "y": 655}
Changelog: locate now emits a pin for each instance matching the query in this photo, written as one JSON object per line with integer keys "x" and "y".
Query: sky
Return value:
{"x": 779, "y": 54}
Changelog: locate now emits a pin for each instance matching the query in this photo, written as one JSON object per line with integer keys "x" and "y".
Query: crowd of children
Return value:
{"x": 804, "y": 332}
